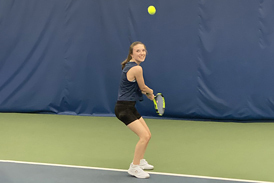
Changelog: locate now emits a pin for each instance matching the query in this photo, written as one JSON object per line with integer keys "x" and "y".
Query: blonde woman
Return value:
{"x": 132, "y": 87}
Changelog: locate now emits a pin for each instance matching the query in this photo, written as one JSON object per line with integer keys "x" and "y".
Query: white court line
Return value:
{"x": 121, "y": 170}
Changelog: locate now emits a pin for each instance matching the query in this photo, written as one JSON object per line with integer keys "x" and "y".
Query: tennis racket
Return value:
{"x": 159, "y": 104}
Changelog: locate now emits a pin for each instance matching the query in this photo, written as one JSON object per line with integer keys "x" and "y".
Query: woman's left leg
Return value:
{"x": 147, "y": 130}
{"x": 143, "y": 163}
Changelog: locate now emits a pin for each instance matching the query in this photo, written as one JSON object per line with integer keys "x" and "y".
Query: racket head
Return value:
{"x": 159, "y": 104}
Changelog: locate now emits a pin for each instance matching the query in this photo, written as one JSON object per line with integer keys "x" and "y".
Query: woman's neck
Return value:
{"x": 138, "y": 63}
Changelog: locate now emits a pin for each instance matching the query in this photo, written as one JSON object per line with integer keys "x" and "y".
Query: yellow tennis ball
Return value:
{"x": 151, "y": 10}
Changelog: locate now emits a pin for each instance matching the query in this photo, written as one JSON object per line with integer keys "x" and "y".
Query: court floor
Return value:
{"x": 179, "y": 149}
{"x": 24, "y": 172}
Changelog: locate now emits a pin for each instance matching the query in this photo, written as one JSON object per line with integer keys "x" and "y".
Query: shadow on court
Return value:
{"x": 22, "y": 172}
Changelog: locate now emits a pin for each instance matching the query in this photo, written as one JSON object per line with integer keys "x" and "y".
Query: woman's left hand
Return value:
{"x": 150, "y": 96}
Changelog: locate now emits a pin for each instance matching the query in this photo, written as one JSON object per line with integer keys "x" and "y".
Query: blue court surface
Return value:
{"x": 25, "y": 172}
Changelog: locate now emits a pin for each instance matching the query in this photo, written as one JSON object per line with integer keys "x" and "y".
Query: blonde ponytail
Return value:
{"x": 126, "y": 61}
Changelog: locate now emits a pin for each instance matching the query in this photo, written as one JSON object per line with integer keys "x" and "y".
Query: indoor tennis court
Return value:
{"x": 219, "y": 150}
{"x": 61, "y": 75}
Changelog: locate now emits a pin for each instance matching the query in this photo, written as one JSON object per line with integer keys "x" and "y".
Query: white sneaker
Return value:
{"x": 145, "y": 166}
{"x": 137, "y": 171}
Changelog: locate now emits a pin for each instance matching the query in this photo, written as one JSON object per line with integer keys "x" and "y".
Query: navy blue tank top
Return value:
{"x": 129, "y": 90}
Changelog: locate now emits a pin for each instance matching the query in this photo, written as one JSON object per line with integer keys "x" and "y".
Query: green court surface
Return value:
{"x": 203, "y": 148}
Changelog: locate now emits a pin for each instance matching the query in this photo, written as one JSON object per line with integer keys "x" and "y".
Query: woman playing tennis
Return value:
{"x": 132, "y": 86}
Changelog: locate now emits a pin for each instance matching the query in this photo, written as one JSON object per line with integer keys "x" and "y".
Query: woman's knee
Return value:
{"x": 145, "y": 137}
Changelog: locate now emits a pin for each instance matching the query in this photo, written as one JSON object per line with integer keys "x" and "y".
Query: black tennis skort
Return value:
{"x": 126, "y": 112}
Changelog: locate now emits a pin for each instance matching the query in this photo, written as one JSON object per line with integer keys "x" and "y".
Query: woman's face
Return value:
{"x": 139, "y": 53}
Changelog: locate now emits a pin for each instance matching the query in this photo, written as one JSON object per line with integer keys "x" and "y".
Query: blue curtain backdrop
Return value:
{"x": 210, "y": 58}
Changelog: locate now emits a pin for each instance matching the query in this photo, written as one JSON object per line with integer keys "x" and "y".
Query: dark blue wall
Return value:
{"x": 210, "y": 58}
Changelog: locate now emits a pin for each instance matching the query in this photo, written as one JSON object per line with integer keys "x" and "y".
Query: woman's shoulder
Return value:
{"x": 136, "y": 69}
